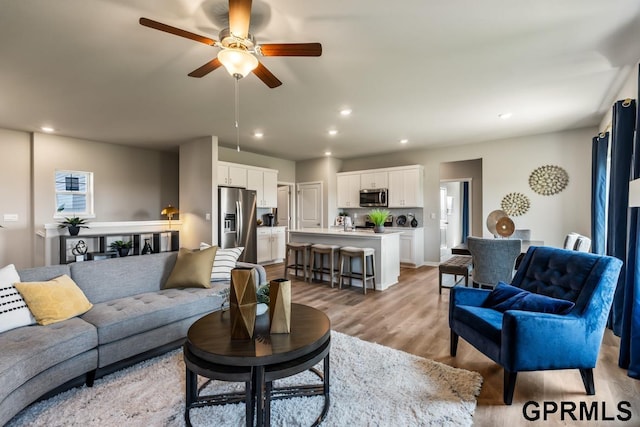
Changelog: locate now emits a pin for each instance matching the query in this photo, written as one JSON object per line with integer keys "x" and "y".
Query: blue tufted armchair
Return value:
{"x": 532, "y": 341}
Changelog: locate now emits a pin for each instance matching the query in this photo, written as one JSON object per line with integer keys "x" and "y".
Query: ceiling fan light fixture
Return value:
{"x": 237, "y": 62}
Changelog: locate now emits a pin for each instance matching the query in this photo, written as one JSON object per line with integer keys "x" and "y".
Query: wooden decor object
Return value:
{"x": 280, "y": 306}
{"x": 242, "y": 303}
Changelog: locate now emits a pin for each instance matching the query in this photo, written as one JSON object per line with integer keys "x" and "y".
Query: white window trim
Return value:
{"x": 90, "y": 213}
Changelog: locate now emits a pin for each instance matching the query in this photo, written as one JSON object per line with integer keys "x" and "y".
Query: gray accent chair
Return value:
{"x": 494, "y": 260}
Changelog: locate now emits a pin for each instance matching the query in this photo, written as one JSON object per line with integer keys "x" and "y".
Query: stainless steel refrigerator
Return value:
{"x": 237, "y": 221}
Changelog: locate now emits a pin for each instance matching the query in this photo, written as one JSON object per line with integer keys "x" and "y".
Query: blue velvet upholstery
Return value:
{"x": 531, "y": 341}
{"x": 506, "y": 297}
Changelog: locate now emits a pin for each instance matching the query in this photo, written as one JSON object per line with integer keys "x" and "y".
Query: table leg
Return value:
{"x": 249, "y": 402}
{"x": 267, "y": 403}
{"x": 191, "y": 393}
{"x": 258, "y": 381}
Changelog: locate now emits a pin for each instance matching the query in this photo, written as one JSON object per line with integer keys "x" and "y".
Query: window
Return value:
{"x": 74, "y": 193}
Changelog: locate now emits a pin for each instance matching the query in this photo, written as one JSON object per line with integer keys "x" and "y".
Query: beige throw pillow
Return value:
{"x": 192, "y": 269}
{"x": 55, "y": 300}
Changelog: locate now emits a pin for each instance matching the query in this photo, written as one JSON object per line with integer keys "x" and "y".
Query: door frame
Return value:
{"x": 299, "y": 209}
{"x": 292, "y": 202}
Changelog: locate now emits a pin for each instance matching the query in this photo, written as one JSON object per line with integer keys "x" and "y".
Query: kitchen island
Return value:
{"x": 386, "y": 246}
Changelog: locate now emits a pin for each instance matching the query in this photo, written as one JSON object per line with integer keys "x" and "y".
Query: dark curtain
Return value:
{"x": 599, "y": 151}
{"x": 630, "y": 338}
{"x": 622, "y": 131}
{"x": 465, "y": 211}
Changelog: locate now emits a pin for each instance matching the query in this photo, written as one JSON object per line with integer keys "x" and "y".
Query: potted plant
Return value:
{"x": 121, "y": 247}
{"x": 378, "y": 218}
{"x": 73, "y": 224}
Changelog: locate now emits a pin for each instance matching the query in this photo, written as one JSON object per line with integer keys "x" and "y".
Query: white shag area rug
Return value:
{"x": 371, "y": 385}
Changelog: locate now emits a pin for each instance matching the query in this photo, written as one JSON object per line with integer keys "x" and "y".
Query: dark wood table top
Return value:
{"x": 209, "y": 338}
{"x": 463, "y": 249}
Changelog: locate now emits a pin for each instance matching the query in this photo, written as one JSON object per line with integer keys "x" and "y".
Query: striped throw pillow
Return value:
{"x": 224, "y": 262}
{"x": 14, "y": 312}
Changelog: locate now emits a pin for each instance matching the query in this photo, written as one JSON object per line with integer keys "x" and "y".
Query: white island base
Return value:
{"x": 386, "y": 246}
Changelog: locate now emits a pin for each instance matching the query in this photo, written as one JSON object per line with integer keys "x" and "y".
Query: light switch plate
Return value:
{"x": 433, "y": 215}
{"x": 10, "y": 217}
{"x": 207, "y": 216}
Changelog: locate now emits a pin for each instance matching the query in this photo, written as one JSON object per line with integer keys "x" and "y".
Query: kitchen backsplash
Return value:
{"x": 358, "y": 215}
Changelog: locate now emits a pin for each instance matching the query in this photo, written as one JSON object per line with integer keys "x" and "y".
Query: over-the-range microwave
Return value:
{"x": 375, "y": 197}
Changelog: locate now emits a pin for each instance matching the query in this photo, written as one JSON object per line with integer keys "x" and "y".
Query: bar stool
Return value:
{"x": 322, "y": 250}
{"x": 297, "y": 248}
{"x": 364, "y": 254}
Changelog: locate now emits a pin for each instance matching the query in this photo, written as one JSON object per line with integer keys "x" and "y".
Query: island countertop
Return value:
{"x": 363, "y": 233}
{"x": 386, "y": 246}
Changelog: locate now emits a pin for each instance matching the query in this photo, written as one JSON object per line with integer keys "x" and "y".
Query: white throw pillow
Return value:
{"x": 224, "y": 262}
{"x": 14, "y": 312}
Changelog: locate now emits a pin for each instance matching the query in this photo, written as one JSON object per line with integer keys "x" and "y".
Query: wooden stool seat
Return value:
{"x": 323, "y": 250}
{"x": 459, "y": 265}
{"x": 364, "y": 254}
{"x": 296, "y": 248}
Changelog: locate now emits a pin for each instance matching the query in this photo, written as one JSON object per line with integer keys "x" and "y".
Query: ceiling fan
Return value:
{"x": 238, "y": 48}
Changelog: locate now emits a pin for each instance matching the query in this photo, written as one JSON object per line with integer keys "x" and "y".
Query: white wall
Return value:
{"x": 199, "y": 192}
{"x": 629, "y": 89}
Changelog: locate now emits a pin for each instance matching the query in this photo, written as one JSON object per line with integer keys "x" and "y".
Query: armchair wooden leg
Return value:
{"x": 454, "y": 343}
{"x": 509, "y": 386}
{"x": 587, "y": 380}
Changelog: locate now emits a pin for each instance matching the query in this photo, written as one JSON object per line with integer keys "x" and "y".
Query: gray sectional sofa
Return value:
{"x": 132, "y": 318}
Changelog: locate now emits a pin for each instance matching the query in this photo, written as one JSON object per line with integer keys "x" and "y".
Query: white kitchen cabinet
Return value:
{"x": 406, "y": 187}
{"x": 375, "y": 179}
{"x": 411, "y": 246}
{"x": 265, "y": 183}
{"x": 348, "y": 190}
{"x": 232, "y": 175}
{"x": 270, "y": 244}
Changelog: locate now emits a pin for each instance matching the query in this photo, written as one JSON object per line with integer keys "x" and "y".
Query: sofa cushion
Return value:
{"x": 132, "y": 315}
{"x": 29, "y": 350}
{"x": 115, "y": 278}
{"x": 192, "y": 269}
{"x": 14, "y": 311}
{"x": 506, "y": 297}
{"x": 54, "y": 300}
{"x": 226, "y": 260}
{"x": 486, "y": 321}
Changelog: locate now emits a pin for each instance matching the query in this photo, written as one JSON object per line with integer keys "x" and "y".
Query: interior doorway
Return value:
{"x": 455, "y": 214}
{"x": 310, "y": 205}
{"x": 286, "y": 204}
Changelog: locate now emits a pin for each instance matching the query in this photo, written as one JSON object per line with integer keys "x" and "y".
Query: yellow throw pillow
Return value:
{"x": 55, "y": 300}
{"x": 192, "y": 269}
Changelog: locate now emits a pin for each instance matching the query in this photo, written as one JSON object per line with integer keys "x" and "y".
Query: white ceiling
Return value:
{"x": 435, "y": 72}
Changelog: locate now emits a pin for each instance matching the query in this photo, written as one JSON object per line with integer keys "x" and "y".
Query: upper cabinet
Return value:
{"x": 406, "y": 187}
{"x": 374, "y": 179}
{"x": 232, "y": 175}
{"x": 348, "y": 190}
{"x": 263, "y": 181}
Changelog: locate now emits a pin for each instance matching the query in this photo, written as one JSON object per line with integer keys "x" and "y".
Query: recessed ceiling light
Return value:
{"x": 327, "y": 153}
{"x": 504, "y": 116}
{"x": 258, "y": 134}
{"x": 345, "y": 112}
{"x": 404, "y": 141}
{"x": 333, "y": 132}
{"x": 47, "y": 129}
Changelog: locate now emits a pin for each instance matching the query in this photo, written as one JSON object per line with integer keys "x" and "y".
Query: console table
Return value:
{"x": 102, "y": 241}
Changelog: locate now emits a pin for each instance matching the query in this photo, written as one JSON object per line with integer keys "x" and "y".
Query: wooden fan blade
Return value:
{"x": 176, "y": 31}
{"x": 206, "y": 68}
{"x": 266, "y": 76}
{"x": 291, "y": 49}
{"x": 239, "y": 17}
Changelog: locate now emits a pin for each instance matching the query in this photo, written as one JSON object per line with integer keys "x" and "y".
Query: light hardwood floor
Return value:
{"x": 412, "y": 317}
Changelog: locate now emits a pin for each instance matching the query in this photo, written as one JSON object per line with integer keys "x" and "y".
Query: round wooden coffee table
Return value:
{"x": 210, "y": 352}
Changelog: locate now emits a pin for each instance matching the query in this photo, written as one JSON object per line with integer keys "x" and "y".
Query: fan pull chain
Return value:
{"x": 237, "y": 115}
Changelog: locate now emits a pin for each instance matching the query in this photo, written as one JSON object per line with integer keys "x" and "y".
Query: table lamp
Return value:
{"x": 169, "y": 211}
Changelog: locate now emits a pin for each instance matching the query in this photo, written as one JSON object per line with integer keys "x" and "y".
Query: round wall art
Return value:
{"x": 515, "y": 204}
{"x": 548, "y": 180}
